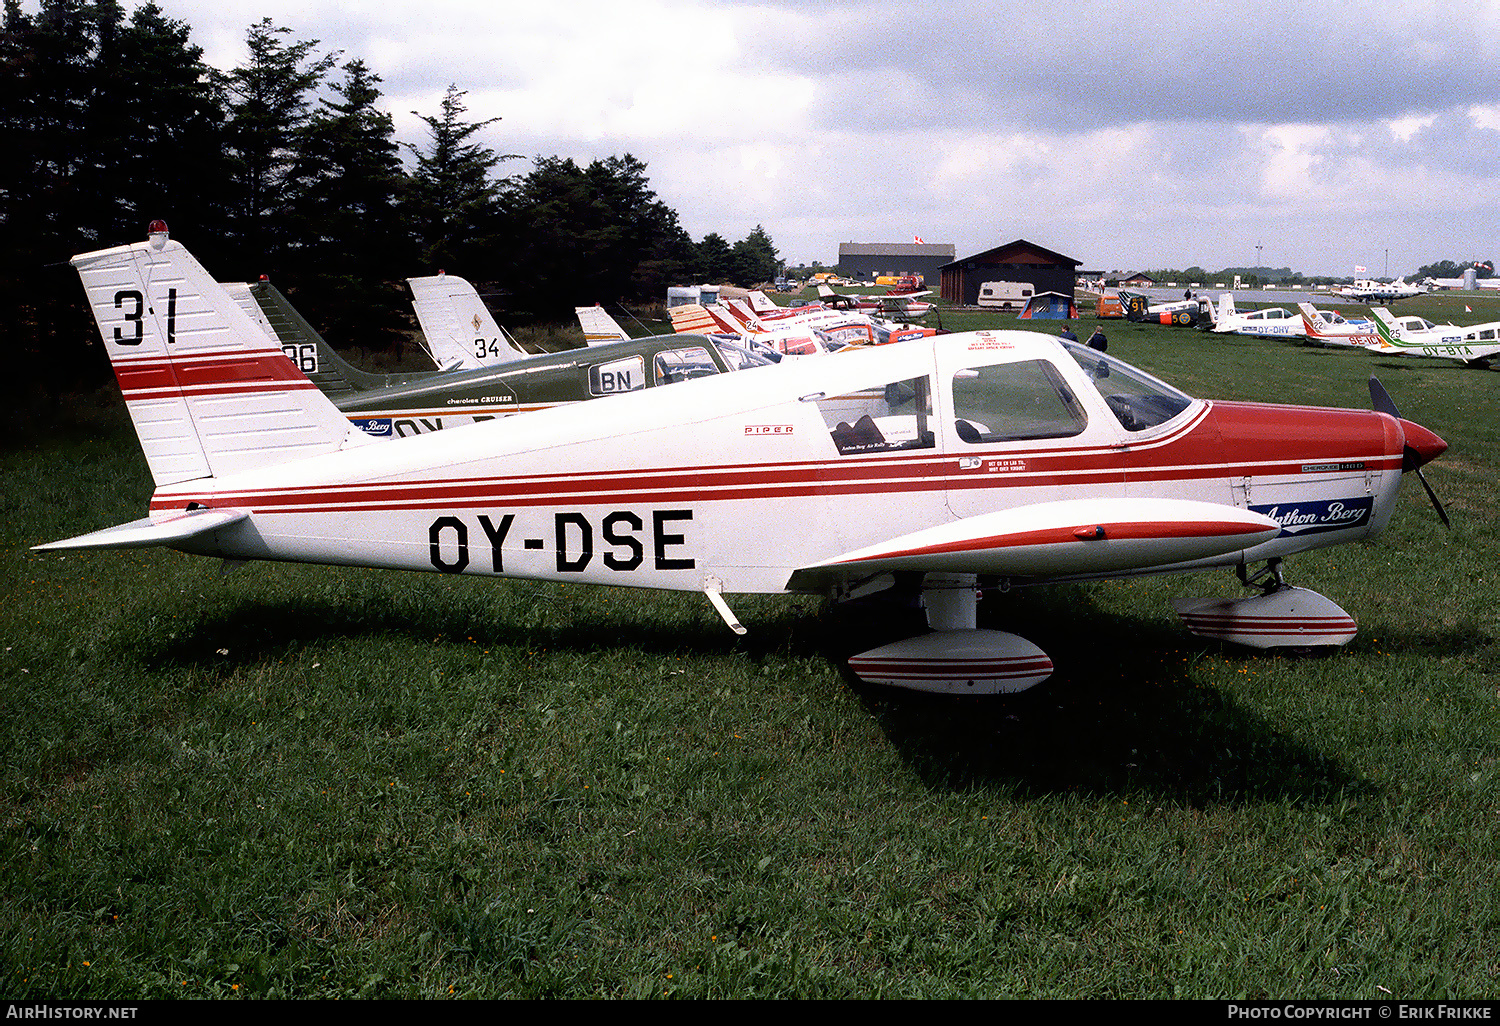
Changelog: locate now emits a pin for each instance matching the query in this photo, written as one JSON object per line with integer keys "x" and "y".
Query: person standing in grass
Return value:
{"x": 1097, "y": 340}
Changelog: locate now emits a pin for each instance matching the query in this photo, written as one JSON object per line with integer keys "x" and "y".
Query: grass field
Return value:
{"x": 311, "y": 782}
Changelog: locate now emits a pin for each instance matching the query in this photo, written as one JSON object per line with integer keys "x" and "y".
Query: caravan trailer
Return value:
{"x": 1005, "y": 295}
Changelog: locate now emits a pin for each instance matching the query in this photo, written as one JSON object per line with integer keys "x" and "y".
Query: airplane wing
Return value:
{"x": 1070, "y": 538}
{"x": 146, "y": 532}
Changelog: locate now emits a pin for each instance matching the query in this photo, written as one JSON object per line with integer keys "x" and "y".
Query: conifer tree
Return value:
{"x": 268, "y": 109}
{"x": 349, "y": 247}
{"x": 453, "y": 199}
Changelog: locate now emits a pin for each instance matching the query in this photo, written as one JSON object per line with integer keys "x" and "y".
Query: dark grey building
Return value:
{"x": 868, "y": 260}
{"x": 1015, "y": 261}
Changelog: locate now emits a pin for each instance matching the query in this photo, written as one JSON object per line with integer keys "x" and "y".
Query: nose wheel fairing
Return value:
{"x": 1281, "y": 616}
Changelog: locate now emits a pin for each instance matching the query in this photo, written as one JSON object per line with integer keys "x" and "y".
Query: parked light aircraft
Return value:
{"x": 461, "y": 332}
{"x": 1271, "y": 321}
{"x": 1329, "y": 328}
{"x": 1365, "y": 290}
{"x": 816, "y": 331}
{"x": 1138, "y": 307}
{"x": 396, "y": 405}
{"x": 1475, "y": 345}
{"x": 943, "y": 464}
{"x": 905, "y": 304}
{"x": 838, "y": 328}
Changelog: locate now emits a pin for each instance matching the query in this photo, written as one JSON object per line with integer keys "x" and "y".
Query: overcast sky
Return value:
{"x": 1319, "y": 137}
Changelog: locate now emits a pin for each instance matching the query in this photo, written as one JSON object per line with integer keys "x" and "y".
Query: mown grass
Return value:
{"x": 314, "y": 782}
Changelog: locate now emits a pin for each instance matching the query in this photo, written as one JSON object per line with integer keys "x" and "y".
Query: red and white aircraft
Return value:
{"x": 1330, "y": 328}
{"x": 903, "y": 304}
{"x": 945, "y": 464}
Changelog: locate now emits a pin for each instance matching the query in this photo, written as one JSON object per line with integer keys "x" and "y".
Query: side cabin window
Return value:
{"x": 1011, "y": 401}
{"x": 1137, "y": 400}
{"x": 897, "y": 415}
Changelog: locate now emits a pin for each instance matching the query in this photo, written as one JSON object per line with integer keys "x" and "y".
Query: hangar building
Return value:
{"x": 864, "y": 261}
{"x": 1015, "y": 261}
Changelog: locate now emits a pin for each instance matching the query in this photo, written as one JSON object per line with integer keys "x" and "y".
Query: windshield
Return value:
{"x": 1137, "y": 400}
{"x": 740, "y": 358}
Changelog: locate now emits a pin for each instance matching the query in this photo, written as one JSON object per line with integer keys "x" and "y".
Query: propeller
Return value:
{"x": 1412, "y": 458}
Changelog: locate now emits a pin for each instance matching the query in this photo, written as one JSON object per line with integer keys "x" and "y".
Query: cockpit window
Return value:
{"x": 1010, "y": 401}
{"x": 740, "y": 358}
{"x": 673, "y": 365}
{"x": 1137, "y": 400}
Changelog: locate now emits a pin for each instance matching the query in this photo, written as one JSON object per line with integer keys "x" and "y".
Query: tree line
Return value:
{"x": 289, "y": 166}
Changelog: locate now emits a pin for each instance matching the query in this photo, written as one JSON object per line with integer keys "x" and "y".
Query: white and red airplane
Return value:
{"x": 1330, "y": 328}
{"x": 944, "y": 464}
{"x": 835, "y": 329}
{"x": 904, "y": 304}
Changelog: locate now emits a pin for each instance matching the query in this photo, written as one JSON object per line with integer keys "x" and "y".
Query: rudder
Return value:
{"x": 209, "y": 391}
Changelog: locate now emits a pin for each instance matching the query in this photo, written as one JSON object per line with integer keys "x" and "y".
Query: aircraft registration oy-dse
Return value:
{"x": 942, "y": 464}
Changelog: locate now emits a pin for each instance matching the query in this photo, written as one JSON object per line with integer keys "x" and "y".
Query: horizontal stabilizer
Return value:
{"x": 146, "y": 532}
{"x": 1070, "y": 538}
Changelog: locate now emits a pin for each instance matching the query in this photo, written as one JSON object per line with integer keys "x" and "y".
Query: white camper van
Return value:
{"x": 1005, "y": 295}
{"x": 683, "y": 295}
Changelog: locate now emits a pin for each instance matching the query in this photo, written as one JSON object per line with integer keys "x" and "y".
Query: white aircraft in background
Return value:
{"x": 787, "y": 337}
{"x": 599, "y": 328}
{"x": 1329, "y": 328}
{"x": 932, "y": 468}
{"x": 1273, "y": 321}
{"x": 1475, "y": 345}
{"x": 1366, "y": 290}
{"x": 460, "y": 330}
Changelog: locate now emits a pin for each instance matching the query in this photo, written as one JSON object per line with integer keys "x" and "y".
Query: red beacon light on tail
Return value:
{"x": 157, "y": 230}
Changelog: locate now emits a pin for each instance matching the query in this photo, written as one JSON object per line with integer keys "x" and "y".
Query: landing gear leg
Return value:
{"x": 1268, "y": 578}
{"x": 957, "y": 658}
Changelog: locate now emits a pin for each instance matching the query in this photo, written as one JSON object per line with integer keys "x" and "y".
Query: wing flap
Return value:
{"x": 1074, "y": 537}
{"x": 146, "y": 532}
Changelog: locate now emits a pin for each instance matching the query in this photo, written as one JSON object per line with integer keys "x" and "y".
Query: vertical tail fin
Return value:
{"x": 461, "y": 332}
{"x": 1226, "y": 308}
{"x": 1388, "y": 341}
{"x": 1309, "y": 320}
{"x": 599, "y": 328}
{"x": 209, "y": 391}
{"x": 301, "y": 342}
{"x": 696, "y": 319}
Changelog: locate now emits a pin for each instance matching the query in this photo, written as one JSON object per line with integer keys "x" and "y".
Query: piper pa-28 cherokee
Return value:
{"x": 1475, "y": 345}
{"x": 941, "y": 464}
{"x": 1330, "y": 328}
